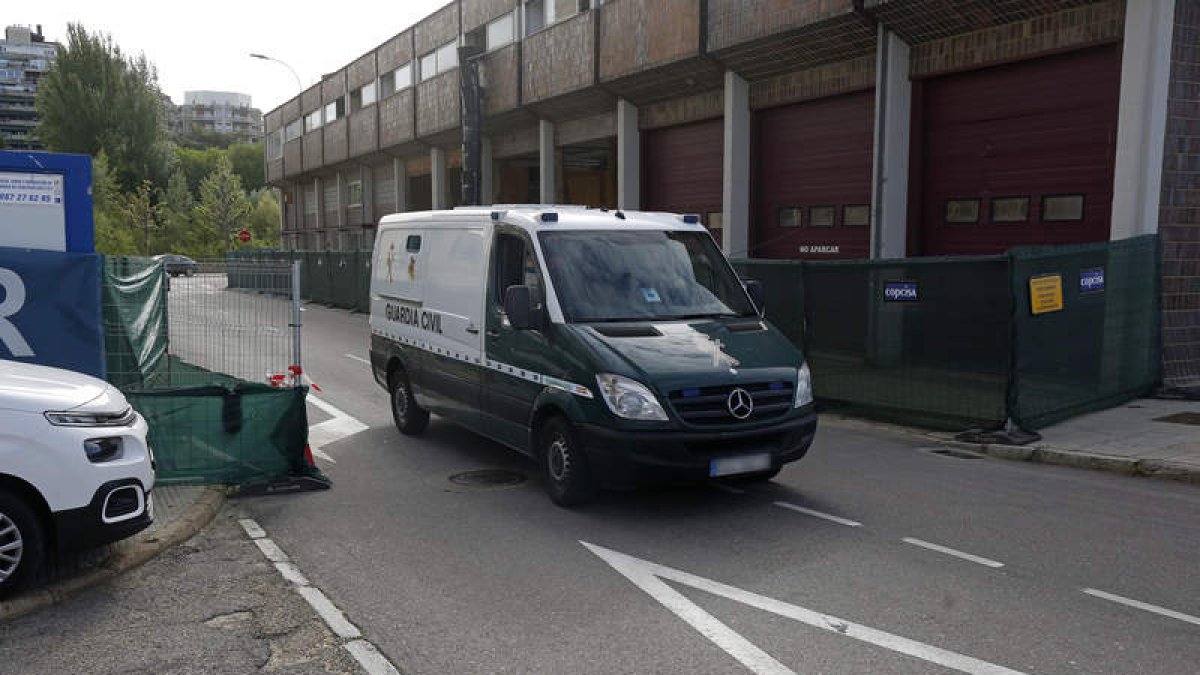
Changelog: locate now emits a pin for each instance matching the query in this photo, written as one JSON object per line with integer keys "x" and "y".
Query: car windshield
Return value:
{"x": 638, "y": 275}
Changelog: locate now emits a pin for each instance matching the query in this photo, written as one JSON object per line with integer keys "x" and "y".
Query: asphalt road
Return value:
{"x": 871, "y": 555}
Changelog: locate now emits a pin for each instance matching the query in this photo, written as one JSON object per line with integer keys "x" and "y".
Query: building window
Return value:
{"x": 404, "y": 76}
{"x": 312, "y": 121}
{"x": 962, "y": 211}
{"x": 821, "y": 216}
{"x": 275, "y": 144}
{"x": 789, "y": 216}
{"x": 501, "y": 31}
{"x": 428, "y": 65}
{"x": 447, "y": 56}
{"x": 362, "y": 97}
{"x": 535, "y": 15}
{"x": 1010, "y": 209}
{"x": 335, "y": 110}
{"x": 856, "y": 215}
{"x": 354, "y": 194}
{"x": 1062, "y": 208}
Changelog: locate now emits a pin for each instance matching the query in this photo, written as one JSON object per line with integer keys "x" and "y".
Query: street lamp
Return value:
{"x": 264, "y": 57}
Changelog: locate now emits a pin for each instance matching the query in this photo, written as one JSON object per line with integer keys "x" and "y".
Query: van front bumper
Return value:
{"x": 636, "y": 457}
{"x": 107, "y": 518}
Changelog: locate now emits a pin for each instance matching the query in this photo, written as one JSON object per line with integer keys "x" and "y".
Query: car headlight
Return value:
{"x": 804, "y": 391}
{"x": 83, "y": 419}
{"x": 629, "y": 399}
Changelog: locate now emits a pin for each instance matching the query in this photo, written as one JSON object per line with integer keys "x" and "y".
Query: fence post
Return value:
{"x": 295, "y": 325}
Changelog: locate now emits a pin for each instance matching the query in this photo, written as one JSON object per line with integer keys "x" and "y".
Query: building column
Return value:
{"x": 1141, "y": 125}
{"x": 341, "y": 203}
{"x": 367, "y": 176}
{"x": 629, "y": 157}
{"x": 400, "y": 183}
{"x": 547, "y": 163}
{"x": 320, "y": 195}
{"x": 735, "y": 210}
{"x": 437, "y": 172}
{"x": 889, "y": 174}
{"x": 487, "y": 167}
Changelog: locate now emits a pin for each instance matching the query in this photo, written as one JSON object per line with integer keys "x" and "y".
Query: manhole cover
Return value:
{"x": 953, "y": 452}
{"x": 485, "y": 478}
{"x": 1181, "y": 418}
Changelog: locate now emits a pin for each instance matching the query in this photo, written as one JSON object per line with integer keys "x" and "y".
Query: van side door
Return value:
{"x": 515, "y": 358}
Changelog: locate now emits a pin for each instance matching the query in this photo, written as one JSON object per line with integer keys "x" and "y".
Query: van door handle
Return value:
{"x": 472, "y": 330}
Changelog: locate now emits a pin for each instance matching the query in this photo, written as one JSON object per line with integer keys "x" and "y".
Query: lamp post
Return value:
{"x": 264, "y": 57}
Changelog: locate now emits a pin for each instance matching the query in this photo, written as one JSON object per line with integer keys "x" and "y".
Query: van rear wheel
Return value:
{"x": 569, "y": 480}
{"x": 411, "y": 419}
{"x": 21, "y": 543}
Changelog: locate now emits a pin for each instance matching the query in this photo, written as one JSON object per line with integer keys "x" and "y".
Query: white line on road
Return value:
{"x": 1137, "y": 604}
{"x": 357, "y": 358}
{"x": 649, "y": 577}
{"x": 333, "y": 616}
{"x": 271, "y": 550}
{"x": 292, "y": 573}
{"x": 370, "y": 659}
{"x": 252, "y": 529}
{"x": 954, "y": 552}
{"x": 817, "y": 514}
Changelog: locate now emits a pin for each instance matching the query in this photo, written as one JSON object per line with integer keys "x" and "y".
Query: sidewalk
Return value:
{"x": 1145, "y": 437}
{"x": 179, "y": 513}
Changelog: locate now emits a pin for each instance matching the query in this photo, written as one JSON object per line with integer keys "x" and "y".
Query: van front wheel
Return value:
{"x": 411, "y": 419}
{"x": 568, "y": 478}
{"x": 21, "y": 543}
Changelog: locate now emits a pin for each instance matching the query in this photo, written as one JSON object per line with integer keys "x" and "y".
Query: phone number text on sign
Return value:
{"x": 30, "y": 190}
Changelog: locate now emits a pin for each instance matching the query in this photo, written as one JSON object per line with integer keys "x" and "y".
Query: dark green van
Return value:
{"x": 614, "y": 348}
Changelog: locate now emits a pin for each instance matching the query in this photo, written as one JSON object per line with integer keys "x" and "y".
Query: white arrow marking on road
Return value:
{"x": 649, "y": 577}
{"x": 332, "y": 430}
{"x": 357, "y": 358}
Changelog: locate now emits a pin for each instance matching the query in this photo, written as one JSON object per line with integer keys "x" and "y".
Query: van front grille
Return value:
{"x": 711, "y": 406}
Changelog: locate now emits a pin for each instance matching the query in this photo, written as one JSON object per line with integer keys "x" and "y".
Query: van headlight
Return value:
{"x": 804, "y": 392}
{"x": 629, "y": 399}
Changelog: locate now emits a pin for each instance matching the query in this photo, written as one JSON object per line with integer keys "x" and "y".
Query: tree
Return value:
{"x": 142, "y": 213}
{"x": 264, "y": 220}
{"x": 177, "y": 234}
{"x": 223, "y": 207}
{"x": 113, "y": 235}
{"x": 247, "y": 160}
{"x": 95, "y": 98}
{"x": 197, "y": 164}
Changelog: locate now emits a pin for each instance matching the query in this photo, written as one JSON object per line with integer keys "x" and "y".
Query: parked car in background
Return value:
{"x": 75, "y": 469}
{"x": 176, "y": 265}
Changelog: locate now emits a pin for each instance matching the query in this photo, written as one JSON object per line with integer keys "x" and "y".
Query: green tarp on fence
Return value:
{"x": 134, "y": 299}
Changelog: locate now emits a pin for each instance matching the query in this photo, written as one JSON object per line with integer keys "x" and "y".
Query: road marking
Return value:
{"x": 650, "y": 576}
{"x": 357, "y": 358}
{"x": 342, "y": 425}
{"x": 728, "y": 488}
{"x": 252, "y": 529}
{"x": 332, "y": 616}
{"x": 368, "y": 656}
{"x": 954, "y": 552}
{"x": 370, "y": 659}
{"x": 271, "y": 550}
{"x": 817, "y": 514}
{"x": 1137, "y": 604}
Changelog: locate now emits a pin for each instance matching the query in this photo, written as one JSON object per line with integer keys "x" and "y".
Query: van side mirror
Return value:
{"x": 518, "y": 307}
{"x": 757, "y": 295}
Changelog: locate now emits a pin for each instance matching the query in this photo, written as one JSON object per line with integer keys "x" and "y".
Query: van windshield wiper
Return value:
{"x": 701, "y": 315}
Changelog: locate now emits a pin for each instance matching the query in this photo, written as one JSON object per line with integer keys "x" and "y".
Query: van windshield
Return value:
{"x": 639, "y": 275}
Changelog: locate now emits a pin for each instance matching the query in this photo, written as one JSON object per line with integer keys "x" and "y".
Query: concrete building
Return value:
{"x": 796, "y": 129}
{"x": 219, "y": 112}
{"x": 24, "y": 57}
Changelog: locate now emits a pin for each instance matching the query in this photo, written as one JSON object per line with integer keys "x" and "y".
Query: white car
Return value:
{"x": 75, "y": 468}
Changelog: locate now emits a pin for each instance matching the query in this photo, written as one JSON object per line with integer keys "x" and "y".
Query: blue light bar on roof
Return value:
{"x": 691, "y": 219}
{"x": 550, "y": 217}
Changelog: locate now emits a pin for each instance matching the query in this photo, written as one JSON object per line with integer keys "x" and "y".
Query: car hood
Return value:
{"x": 676, "y": 352}
{"x": 28, "y": 388}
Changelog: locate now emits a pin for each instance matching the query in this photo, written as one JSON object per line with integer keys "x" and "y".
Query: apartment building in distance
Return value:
{"x": 811, "y": 129}
{"x": 25, "y": 56}
{"x": 218, "y": 112}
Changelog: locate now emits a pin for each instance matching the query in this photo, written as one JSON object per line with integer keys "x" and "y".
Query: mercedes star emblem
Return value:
{"x": 740, "y": 403}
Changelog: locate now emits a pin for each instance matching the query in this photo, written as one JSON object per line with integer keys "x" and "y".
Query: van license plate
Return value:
{"x": 729, "y": 466}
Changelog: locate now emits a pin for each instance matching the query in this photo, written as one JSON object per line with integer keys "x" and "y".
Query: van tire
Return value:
{"x": 569, "y": 479}
{"x": 411, "y": 419}
{"x": 19, "y": 523}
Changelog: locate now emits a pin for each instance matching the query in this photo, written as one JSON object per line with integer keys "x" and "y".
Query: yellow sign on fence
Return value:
{"x": 1045, "y": 294}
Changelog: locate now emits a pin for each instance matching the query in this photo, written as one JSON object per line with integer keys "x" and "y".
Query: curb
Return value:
{"x": 126, "y": 555}
{"x": 1041, "y": 453}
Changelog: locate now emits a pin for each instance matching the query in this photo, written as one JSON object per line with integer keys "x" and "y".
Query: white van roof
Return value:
{"x": 538, "y": 217}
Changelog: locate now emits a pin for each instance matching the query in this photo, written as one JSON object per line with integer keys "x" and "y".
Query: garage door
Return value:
{"x": 1019, "y": 154}
{"x": 812, "y": 179}
{"x": 681, "y": 170}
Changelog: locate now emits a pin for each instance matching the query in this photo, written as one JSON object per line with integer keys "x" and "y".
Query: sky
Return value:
{"x": 206, "y": 45}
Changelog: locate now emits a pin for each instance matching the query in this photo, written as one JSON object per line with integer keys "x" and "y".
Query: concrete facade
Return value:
{"x": 25, "y": 56}
{"x": 598, "y": 80}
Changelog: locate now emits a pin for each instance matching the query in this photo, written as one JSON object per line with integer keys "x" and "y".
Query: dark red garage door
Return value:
{"x": 1018, "y": 154}
{"x": 812, "y": 178}
{"x": 681, "y": 170}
